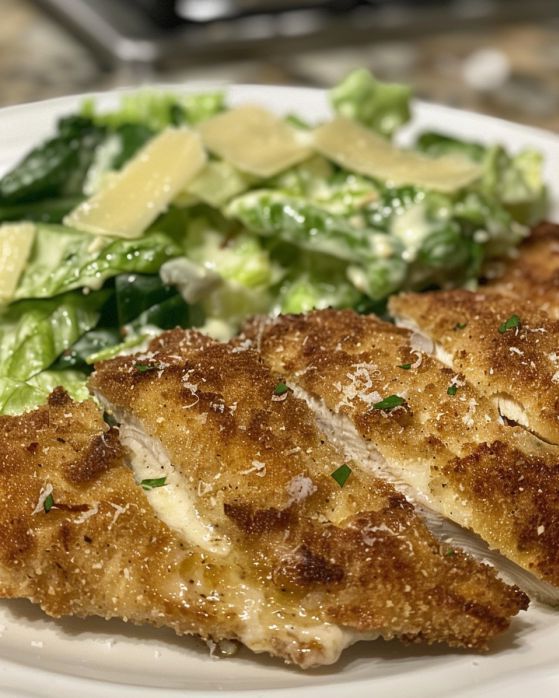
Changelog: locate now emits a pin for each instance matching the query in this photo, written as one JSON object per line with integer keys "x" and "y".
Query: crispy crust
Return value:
{"x": 521, "y": 363}
{"x": 351, "y": 361}
{"x": 100, "y": 550}
{"x": 358, "y": 557}
{"x": 518, "y": 495}
{"x": 533, "y": 273}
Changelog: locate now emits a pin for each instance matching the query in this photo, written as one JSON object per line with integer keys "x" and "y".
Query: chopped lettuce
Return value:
{"x": 338, "y": 191}
{"x": 17, "y": 396}
{"x": 513, "y": 181}
{"x": 314, "y": 281}
{"x": 381, "y": 106}
{"x": 34, "y": 333}
{"x": 156, "y": 110}
{"x": 517, "y": 182}
{"x": 73, "y": 382}
{"x": 437, "y": 144}
{"x": 295, "y": 220}
{"x": 217, "y": 183}
{"x": 238, "y": 272}
{"x": 57, "y": 167}
{"x": 63, "y": 259}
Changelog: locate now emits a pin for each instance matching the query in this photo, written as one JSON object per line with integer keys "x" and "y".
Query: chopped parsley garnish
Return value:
{"x": 389, "y": 403}
{"x": 144, "y": 368}
{"x": 406, "y": 367}
{"x": 152, "y": 483}
{"x": 450, "y": 553}
{"x": 510, "y": 324}
{"x": 48, "y": 503}
{"x": 341, "y": 474}
{"x": 451, "y": 390}
{"x": 460, "y": 325}
{"x": 280, "y": 389}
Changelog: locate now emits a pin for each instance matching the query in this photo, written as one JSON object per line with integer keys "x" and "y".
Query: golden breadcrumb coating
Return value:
{"x": 441, "y": 441}
{"x": 533, "y": 272}
{"x": 507, "y": 350}
{"x": 250, "y": 457}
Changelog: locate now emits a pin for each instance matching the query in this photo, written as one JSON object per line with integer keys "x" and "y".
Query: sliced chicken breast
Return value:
{"x": 309, "y": 551}
{"x": 533, "y": 272}
{"x": 378, "y": 392}
{"x": 505, "y": 347}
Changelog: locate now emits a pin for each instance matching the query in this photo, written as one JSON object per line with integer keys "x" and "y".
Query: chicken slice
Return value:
{"x": 507, "y": 348}
{"x": 306, "y": 566}
{"x": 533, "y": 273}
{"x": 444, "y": 445}
{"x": 79, "y": 537}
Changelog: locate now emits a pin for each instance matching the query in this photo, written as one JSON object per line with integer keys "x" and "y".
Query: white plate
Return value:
{"x": 44, "y": 658}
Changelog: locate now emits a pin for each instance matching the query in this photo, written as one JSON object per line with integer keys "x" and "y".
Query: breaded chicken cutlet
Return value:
{"x": 302, "y": 565}
{"x": 384, "y": 399}
{"x": 505, "y": 347}
{"x": 533, "y": 272}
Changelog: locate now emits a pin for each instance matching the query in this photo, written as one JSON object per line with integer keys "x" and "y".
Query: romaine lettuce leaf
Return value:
{"x": 34, "y": 333}
{"x": 73, "y": 382}
{"x": 377, "y": 267}
{"x": 437, "y": 144}
{"x": 57, "y": 167}
{"x": 335, "y": 190}
{"x": 295, "y": 220}
{"x": 514, "y": 182}
{"x": 157, "y": 110}
{"x": 17, "y": 396}
{"x": 383, "y": 107}
{"x": 307, "y": 291}
{"x": 63, "y": 259}
{"x": 217, "y": 183}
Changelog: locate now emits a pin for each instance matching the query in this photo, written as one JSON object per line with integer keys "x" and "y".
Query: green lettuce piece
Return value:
{"x": 217, "y": 246}
{"x": 63, "y": 259}
{"x": 157, "y": 110}
{"x": 129, "y": 346}
{"x": 377, "y": 267}
{"x": 516, "y": 181}
{"x": 55, "y": 168}
{"x": 34, "y": 333}
{"x": 308, "y": 291}
{"x": 232, "y": 303}
{"x": 337, "y": 191}
{"x": 294, "y": 220}
{"x": 437, "y": 144}
{"x": 94, "y": 342}
{"x": 73, "y": 382}
{"x": 217, "y": 183}
{"x": 43, "y": 211}
{"x": 444, "y": 237}
{"x": 307, "y": 179}
{"x": 17, "y": 397}
{"x": 383, "y": 107}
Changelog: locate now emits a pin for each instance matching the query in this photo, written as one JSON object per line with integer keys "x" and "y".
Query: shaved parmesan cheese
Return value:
{"x": 254, "y": 141}
{"x": 356, "y": 148}
{"x": 134, "y": 198}
{"x": 16, "y": 240}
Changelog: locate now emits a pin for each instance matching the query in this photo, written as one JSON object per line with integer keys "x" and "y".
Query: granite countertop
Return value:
{"x": 510, "y": 70}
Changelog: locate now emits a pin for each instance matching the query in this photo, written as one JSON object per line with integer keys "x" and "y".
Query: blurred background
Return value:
{"x": 495, "y": 56}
